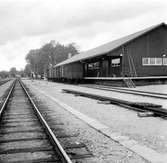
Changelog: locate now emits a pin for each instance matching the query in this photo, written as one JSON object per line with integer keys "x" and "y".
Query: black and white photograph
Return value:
{"x": 83, "y": 81}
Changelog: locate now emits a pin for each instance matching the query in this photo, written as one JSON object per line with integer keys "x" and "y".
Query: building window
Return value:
{"x": 94, "y": 65}
{"x": 152, "y": 61}
{"x": 145, "y": 61}
{"x": 165, "y": 61}
{"x": 158, "y": 61}
{"x": 115, "y": 62}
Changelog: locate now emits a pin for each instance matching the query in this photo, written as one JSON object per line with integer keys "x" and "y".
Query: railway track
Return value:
{"x": 25, "y": 136}
{"x": 154, "y": 109}
{"x": 127, "y": 91}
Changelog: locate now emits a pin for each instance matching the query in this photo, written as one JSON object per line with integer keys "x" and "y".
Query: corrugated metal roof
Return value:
{"x": 108, "y": 47}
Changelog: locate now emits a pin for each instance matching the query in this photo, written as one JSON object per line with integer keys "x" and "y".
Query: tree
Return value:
{"x": 32, "y": 59}
{"x": 48, "y": 55}
{"x": 13, "y": 72}
{"x": 4, "y": 74}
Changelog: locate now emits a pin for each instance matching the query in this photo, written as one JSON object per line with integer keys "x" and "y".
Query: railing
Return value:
{"x": 129, "y": 83}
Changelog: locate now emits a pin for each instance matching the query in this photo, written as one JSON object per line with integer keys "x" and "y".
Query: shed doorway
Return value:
{"x": 115, "y": 66}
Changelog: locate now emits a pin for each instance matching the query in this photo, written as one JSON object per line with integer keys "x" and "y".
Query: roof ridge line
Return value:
{"x": 119, "y": 42}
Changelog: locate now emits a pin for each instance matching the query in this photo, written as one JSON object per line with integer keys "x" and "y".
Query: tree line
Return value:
{"x": 50, "y": 54}
{"x": 13, "y": 72}
{"x": 40, "y": 60}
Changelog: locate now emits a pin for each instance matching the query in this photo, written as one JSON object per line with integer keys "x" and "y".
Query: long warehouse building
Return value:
{"x": 142, "y": 54}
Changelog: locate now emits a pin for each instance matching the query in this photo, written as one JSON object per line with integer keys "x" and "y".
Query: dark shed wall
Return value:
{"x": 153, "y": 44}
{"x": 73, "y": 71}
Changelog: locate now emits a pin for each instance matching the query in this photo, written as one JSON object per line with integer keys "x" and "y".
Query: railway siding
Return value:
{"x": 51, "y": 93}
{"x": 156, "y": 109}
{"x": 121, "y": 122}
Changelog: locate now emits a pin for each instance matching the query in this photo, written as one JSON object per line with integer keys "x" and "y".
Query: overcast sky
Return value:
{"x": 28, "y": 24}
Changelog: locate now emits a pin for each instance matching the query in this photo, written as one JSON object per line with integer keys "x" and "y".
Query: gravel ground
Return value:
{"x": 149, "y": 131}
{"x": 153, "y": 88}
{"x": 104, "y": 149}
{"x": 4, "y": 87}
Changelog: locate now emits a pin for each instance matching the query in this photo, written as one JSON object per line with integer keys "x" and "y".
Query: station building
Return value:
{"x": 142, "y": 54}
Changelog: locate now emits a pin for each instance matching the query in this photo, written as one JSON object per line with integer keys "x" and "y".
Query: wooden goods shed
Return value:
{"x": 142, "y": 54}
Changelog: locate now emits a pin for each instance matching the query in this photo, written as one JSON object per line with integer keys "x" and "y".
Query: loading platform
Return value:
{"x": 119, "y": 81}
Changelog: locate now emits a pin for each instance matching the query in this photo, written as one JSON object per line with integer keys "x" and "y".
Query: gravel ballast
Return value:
{"x": 104, "y": 149}
{"x": 150, "y": 131}
{"x": 4, "y": 87}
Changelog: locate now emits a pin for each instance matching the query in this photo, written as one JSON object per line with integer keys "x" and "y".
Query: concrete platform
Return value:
{"x": 119, "y": 81}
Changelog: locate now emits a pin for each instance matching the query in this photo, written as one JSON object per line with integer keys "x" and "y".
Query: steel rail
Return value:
{"x": 57, "y": 146}
{"x": 7, "y": 98}
{"x": 127, "y": 91}
{"x": 132, "y": 90}
{"x": 156, "y": 109}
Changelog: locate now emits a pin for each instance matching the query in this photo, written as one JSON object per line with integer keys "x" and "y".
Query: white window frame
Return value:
{"x": 165, "y": 61}
{"x": 152, "y": 61}
{"x": 116, "y": 62}
{"x": 145, "y": 61}
{"x": 159, "y": 63}
{"x": 94, "y": 65}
